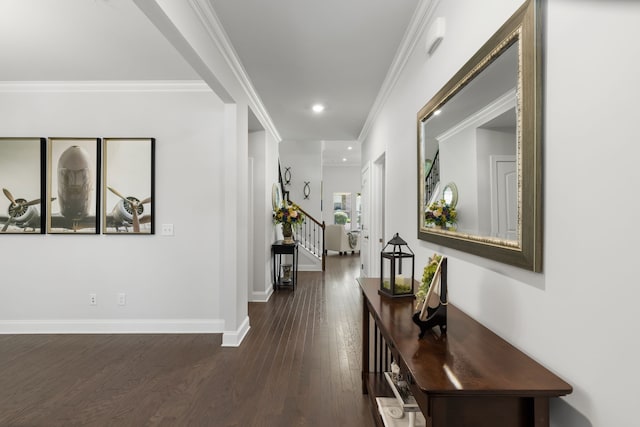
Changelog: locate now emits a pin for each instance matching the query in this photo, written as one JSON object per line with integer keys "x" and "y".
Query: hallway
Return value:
{"x": 298, "y": 366}
{"x": 311, "y": 342}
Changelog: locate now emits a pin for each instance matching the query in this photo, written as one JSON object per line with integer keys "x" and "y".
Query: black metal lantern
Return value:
{"x": 396, "y": 269}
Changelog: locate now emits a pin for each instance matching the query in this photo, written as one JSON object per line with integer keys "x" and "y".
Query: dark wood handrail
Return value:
{"x": 309, "y": 216}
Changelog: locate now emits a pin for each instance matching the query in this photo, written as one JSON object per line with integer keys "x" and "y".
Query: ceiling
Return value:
{"x": 299, "y": 52}
{"x": 85, "y": 40}
{"x": 497, "y": 80}
{"x": 295, "y": 52}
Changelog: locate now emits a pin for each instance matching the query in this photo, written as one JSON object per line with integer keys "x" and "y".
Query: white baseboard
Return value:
{"x": 128, "y": 326}
{"x": 112, "y": 326}
{"x": 309, "y": 267}
{"x": 234, "y": 338}
{"x": 261, "y": 296}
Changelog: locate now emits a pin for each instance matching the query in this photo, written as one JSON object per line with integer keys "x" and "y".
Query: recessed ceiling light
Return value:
{"x": 344, "y": 159}
{"x": 318, "y": 108}
{"x": 350, "y": 148}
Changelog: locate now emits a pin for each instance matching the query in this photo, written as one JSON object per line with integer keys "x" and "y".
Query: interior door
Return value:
{"x": 377, "y": 197}
{"x": 365, "y": 244}
{"x": 504, "y": 196}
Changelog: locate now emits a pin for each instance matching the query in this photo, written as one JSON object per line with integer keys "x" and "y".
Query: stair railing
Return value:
{"x": 432, "y": 179}
{"x": 310, "y": 235}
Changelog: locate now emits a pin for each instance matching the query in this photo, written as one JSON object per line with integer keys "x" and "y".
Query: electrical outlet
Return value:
{"x": 167, "y": 229}
{"x": 122, "y": 299}
{"x": 93, "y": 299}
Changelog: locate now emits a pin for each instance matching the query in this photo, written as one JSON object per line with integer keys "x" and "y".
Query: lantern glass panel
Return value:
{"x": 396, "y": 268}
{"x": 397, "y": 273}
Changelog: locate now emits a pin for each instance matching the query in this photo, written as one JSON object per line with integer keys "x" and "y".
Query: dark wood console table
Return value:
{"x": 278, "y": 249}
{"x": 467, "y": 377}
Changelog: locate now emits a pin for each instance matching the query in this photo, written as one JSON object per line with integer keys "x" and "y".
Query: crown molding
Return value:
{"x": 498, "y": 106}
{"x": 417, "y": 26}
{"x": 104, "y": 86}
{"x": 213, "y": 26}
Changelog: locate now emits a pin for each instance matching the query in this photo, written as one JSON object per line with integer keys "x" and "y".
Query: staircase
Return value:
{"x": 309, "y": 234}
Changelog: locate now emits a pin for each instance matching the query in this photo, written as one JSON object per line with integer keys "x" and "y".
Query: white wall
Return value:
{"x": 458, "y": 154}
{"x": 172, "y": 283}
{"x": 577, "y": 317}
{"x": 263, "y": 151}
{"x": 305, "y": 161}
{"x": 194, "y": 30}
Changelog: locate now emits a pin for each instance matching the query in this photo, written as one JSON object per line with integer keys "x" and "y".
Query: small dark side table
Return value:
{"x": 278, "y": 249}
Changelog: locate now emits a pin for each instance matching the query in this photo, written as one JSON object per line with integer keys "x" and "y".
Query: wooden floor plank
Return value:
{"x": 298, "y": 366}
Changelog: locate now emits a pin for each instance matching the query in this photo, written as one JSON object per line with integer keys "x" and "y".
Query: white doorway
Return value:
{"x": 250, "y": 229}
{"x": 365, "y": 243}
{"x": 504, "y": 197}
{"x": 373, "y": 196}
{"x": 377, "y": 196}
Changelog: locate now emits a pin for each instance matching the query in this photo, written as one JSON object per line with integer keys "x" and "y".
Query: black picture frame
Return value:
{"x": 73, "y": 183}
{"x": 22, "y": 204}
{"x": 128, "y": 177}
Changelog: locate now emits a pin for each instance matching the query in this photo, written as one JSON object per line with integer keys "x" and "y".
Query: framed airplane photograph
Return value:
{"x": 128, "y": 186}
{"x": 22, "y": 183}
{"x": 73, "y": 182}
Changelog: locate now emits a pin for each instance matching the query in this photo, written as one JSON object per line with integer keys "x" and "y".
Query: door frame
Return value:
{"x": 377, "y": 230}
{"x": 365, "y": 221}
{"x": 495, "y": 196}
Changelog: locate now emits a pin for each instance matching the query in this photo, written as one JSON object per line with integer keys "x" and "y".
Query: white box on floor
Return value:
{"x": 389, "y": 405}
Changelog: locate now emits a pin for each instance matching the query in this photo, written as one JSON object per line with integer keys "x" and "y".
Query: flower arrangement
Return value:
{"x": 427, "y": 277}
{"x": 440, "y": 213}
{"x": 288, "y": 213}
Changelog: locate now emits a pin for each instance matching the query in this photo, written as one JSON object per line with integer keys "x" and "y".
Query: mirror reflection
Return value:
{"x": 450, "y": 194}
{"x": 472, "y": 140}
{"x": 483, "y": 132}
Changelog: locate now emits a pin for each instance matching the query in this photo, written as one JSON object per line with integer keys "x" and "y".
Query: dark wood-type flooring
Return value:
{"x": 298, "y": 366}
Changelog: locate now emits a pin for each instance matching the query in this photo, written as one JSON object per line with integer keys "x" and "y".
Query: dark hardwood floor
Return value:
{"x": 298, "y": 366}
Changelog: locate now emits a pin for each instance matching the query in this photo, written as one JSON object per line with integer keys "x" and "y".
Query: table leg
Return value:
{"x": 273, "y": 269}
{"x": 295, "y": 267}
{"x": 541, "y": 411}
{"x": 365, "y": 345}
{"x": 276, "y": 271}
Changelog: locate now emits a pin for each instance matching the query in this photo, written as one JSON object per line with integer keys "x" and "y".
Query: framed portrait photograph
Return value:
{"x": 128, "y": 186}
{"x": 22, "y": 168}
{"x": 73, "y": 180}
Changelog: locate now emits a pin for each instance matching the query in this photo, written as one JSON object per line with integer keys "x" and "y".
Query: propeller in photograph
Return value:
{"x": 17, "y": 208}
{"x": 133, "y": 206}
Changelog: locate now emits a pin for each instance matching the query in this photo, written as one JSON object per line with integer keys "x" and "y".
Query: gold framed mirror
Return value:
{"x": 482, "y": 130}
